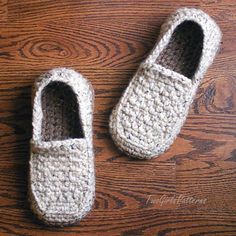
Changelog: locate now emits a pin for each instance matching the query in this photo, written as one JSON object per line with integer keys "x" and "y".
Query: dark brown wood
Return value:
{"x": 190, "y": 189}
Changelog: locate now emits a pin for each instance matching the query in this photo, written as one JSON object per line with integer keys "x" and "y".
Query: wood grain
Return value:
{"x": 190, "y": 189}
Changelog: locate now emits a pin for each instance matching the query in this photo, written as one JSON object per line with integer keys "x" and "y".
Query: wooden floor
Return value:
{"x": 190, "y": 189}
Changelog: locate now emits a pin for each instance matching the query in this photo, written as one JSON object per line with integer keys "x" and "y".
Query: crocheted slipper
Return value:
{"x": 153, "y": 108}
{"x": 61, "y": 181}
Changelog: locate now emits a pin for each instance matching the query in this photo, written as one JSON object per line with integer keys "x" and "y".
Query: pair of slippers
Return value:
{"x": 144, "y": 123}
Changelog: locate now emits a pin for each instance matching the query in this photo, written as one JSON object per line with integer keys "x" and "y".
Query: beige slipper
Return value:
{"x": 61, "y": 178}
{"x": 154, "y": 107}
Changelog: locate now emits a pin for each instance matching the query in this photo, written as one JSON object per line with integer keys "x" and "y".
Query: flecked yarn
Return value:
{"x": 153, "y": 108}
{"x": 61, "y": 177}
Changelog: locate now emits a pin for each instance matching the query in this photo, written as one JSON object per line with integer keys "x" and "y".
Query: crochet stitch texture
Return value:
{"x": 61, "y": 178}
{"x": 154, "y": 106}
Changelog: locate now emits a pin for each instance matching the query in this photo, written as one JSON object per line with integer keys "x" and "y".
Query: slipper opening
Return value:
{"x": 61, "y": 119}
{"x": 184, "y": 50}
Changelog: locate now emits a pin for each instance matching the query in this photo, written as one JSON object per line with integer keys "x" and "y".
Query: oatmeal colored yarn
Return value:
{"x": 61, "y": 178}
{"x": 153, "y": 108}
